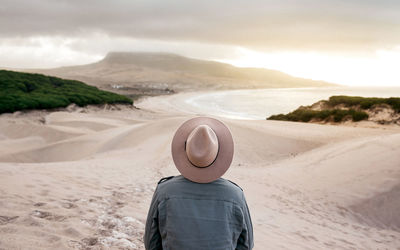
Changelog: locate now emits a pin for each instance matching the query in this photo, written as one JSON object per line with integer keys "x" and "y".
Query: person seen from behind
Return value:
{"x": 198, "y": 209}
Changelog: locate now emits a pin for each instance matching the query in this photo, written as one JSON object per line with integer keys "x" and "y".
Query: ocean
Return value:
{"x": 258, "y": 104}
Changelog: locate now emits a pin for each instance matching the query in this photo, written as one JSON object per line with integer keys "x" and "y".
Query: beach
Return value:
{"x": 258, "y": 104}
{"x": 83, "y": 178}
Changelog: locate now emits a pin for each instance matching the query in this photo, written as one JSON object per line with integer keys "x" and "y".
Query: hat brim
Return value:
{"x": 220, "y": 164}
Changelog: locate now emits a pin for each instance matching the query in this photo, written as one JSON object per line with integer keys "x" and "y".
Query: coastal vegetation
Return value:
{"x": 305, "y": 115}
{"x": 340, "y": 108}
{"x": 23, "y": 91}
{"x": 364, "y": 102}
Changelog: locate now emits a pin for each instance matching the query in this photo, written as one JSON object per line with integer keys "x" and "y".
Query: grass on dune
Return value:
{"x": 364, "y": 102}
{"x": 23, "y": 91}
{"x": 355, "y": 109}
{"x": 305, "y": 115}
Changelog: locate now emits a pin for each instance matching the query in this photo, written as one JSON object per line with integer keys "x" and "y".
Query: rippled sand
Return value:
{"x": 84, "y": 179}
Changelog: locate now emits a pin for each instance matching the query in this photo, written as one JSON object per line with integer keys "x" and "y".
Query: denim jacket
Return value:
{"x": 189, "y": 215}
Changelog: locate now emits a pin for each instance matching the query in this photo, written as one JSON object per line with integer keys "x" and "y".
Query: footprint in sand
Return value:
{"x": 113, "y": 230}
{"x": 47, "y": 215}
{"x": 39, "y": 204}
{"x": 68, "y": 205}
{"x": 91, "y": 241}
{"x": 86, "y": 243}
{"x": 7, "y": 219}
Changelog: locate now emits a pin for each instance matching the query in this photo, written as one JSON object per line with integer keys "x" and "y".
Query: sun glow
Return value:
{"x": 375, "y": 69}
{"x": 379, "y": 69}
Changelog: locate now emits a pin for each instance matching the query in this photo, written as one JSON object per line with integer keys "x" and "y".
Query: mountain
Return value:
{"x": 163, "y": 72}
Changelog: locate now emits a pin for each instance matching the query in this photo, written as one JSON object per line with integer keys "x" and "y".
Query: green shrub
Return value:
{"x": 339, "y": 114}
{"x": 324, "y": 114}
{"x": 305, "y": 115}
{"x": 20, "y": 91}
{"x": 359, "y": 116}
{"x": 364, "y": 102}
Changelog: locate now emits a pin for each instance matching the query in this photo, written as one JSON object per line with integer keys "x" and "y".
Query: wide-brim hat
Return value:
{"x": 197, "y": 133}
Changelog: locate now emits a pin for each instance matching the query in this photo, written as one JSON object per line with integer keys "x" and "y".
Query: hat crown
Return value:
{"x": 214, "y": 141}
{"x": 202, "y": 146}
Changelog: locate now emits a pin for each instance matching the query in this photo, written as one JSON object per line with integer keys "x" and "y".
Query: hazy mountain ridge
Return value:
{"x": 164, "y": 72}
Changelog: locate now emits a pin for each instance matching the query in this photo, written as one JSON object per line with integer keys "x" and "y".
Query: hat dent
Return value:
{"x": 202, "y": 146}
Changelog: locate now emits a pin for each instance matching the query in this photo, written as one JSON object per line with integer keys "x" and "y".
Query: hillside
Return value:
{"x": 159, "y": 73}
{"x": 21, "y": 91}
{"x": 347, "y": 108}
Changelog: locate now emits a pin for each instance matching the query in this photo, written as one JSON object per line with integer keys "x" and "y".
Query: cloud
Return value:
{"x": 344, "y": 41}
{"x": 53, "y": 51}
{"x": 266, "y": 25}
{"x": 42, "y": 52}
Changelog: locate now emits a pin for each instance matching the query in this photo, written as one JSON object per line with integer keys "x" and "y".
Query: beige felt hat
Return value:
{"x": 202, "y": 149}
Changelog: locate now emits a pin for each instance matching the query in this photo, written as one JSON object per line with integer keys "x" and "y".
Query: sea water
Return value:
{"x": 258, "y": 104}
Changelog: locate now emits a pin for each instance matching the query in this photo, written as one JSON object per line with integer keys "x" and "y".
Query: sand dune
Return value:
{"x": 84, "y": 179}
{"x": 362, "y": 174}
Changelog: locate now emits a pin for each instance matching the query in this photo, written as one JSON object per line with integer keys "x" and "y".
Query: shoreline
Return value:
{"x": 184, "y": 103}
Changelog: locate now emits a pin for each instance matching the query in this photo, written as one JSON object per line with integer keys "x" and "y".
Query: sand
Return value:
{"x": 83, "y": 178}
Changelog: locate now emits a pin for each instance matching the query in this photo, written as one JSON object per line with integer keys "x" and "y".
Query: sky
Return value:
{"x": 351, "y": 42}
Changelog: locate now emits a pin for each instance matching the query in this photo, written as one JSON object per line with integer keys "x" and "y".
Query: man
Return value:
{"x": 198, "y": 209}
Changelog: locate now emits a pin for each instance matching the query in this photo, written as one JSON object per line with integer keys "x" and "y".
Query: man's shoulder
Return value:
{"x": 170, "y": 180}
{"x": 236, "y": 185}
{"x": 164, "y": 179}
{"x": 180, "y": 187}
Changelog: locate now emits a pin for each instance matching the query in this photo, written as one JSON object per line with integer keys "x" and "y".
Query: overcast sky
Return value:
{"x": 49, "y": 33}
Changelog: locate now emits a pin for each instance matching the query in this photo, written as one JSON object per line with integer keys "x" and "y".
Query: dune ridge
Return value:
{"x": 84, "y": 179}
